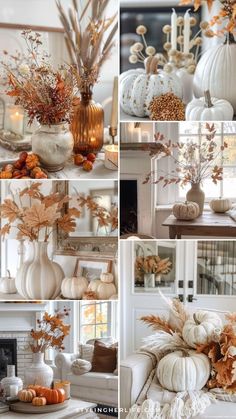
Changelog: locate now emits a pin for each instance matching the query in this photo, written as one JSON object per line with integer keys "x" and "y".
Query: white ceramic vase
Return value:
{"x": 39, "y": 278}
{"x": 187, "y": 84}
{"x": 38, "y": 373}
{"x": 53, "y": 144}
{"x": 11, "y": 379}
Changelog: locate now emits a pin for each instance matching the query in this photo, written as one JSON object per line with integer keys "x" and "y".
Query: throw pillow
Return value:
{"x": 80, "y": 366}
{"x": 86, "y": 351}
{"x": 104, "y": 357}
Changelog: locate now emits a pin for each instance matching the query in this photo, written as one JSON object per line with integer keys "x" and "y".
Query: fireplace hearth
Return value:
{"x": 8, "y": 355}
{"x": 128, "y": 207}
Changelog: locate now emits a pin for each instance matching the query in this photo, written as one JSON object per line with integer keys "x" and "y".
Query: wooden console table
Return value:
{"x": 208, "y": 224}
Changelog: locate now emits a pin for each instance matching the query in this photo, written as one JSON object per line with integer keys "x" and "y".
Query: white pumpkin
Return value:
{"x": 216, "y": 72}
{"x": 80, "y": 366}
{"x": 183, "y": 371}
{"x": 73, "y": 288}
{"x": 199, "y": 329}
{"x": 186, "y": 210}
{"x": 7, "y": 284}
{"x": 114, "y": 297}
{"x": 93, "y": 285}
{"x": 105, "y": 291}
{"x": 107, "y": 277}
{"x": 138, "y": 88}
{"x": 187, "y": 84}
{"x": 220, "y": 204}
{"x": 209, "y": 108}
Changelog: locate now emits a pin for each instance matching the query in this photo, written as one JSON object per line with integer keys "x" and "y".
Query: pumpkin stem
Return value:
{"x": 8, "y": 273}
{"x": 154, "y": 65}
{"x": 195, "y": 319}
{"x": 184, "y": 352}
{"x": 147, "y": 64}
{"x": 208, "y": 102}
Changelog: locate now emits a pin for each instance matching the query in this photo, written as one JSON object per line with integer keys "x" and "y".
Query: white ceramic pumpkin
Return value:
{"x": 199, "y": 329}
{"x": 114, "y": 297}
{"x": 209, "y": 108}
{"x": 186, "y": 210}
{"x": 105, "y": 291}
{"x": 216, "y": 72}
{"x": 7, "y": 284}
{"x": 183, "y": 371}
{"x": 73, "y": 288}
{"x": 138, "y": 88}
{"x": 220, "y": 204}
{"x": 93, "y": 285}
{"x": 80, "y": 366}
{"x": 187, "y": 84}
{"x": 107, "y": 277}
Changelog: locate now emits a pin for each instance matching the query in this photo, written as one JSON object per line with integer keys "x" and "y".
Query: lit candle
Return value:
{"x": 111, "y": 157}
{"x": 14, "y": 119}
{"x": 114, "y": 109}
{"x": 13, "y": 390}
{"x": 174, "y": 30}
{"x": 186, "y": 31}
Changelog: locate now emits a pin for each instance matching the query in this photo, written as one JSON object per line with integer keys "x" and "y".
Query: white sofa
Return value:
{"x": 100, "y": 388}
{"x": 134, "y": 372}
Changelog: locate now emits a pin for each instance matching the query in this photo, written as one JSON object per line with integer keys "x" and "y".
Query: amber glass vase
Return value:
{"x": 87, "y": 125}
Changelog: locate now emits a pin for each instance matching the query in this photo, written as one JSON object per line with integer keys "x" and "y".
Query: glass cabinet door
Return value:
{"x": 154, "y": 266}
{"x": 216, "y": 268}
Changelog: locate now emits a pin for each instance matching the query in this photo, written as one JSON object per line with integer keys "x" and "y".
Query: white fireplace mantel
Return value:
{"x": 20, "y": 317}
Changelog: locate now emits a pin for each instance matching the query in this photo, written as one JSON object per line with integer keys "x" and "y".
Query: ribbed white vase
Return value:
{"x": 39, "y": 278}
{"x": 38, "y": 373}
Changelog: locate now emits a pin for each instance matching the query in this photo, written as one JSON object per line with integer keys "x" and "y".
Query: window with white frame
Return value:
{"x": 196, "y": 131}
{"x": 97, "y": 320}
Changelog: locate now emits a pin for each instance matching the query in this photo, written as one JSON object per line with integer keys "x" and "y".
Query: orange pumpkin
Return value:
{"x": 53, "y": 396}
{"x": 39, "y": 401}
{"x": 35, "y": 388}
{"x": 26, "y": 395}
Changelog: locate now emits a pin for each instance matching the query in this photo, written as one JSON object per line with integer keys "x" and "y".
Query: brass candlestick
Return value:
{"x": 113, "y": 133}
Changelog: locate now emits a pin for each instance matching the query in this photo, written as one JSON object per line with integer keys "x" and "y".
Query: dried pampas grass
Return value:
{"x": 89, "y": 37}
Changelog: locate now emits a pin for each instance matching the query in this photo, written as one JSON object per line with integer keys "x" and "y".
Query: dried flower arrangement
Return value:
{"x": 89, "y": 44}
{"x": 194, "y": 161}
{"x": 227, "y": 15}
{"x": 104, "y": 216}
{"x": 37, "y": 221}
{"x": 152, "y": 264}
{"x": 46, "y": 94}
{"x": 176, "y": 58}
{"x": 220, "y": 348}
{"x": 51, "y": 332}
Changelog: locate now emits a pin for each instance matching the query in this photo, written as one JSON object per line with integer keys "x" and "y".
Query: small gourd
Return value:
{"x": 139, "y": 87}
{"x": 106, "y": 277}
{"x": 199, "y": 329}
{"x": 184, "y": 370}
{"x": 73, "y": 288}
{"x": 7, "y": 284}
{"x": 39, "y": 401}
{"x": 209, "y": 108}
{"x": 105, "y": 291}
{"x": 26, "y": 395}
{"x": 186, "y": 210}
{"x": 220, "y": 204}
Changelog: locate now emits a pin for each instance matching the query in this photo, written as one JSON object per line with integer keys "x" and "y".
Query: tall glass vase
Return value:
{"x": 87, "y": 125}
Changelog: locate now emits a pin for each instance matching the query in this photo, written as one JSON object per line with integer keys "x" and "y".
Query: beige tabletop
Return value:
{"x": 76, "y": 409}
